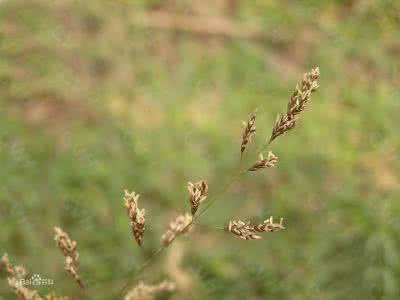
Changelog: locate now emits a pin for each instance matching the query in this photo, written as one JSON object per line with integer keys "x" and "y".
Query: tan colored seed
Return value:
{"x": 136, "y": 216}
{"x": 177, "y": 227}
{"x": 248, "y": 132}
{"x": 15, "y": 277}
{"x": 148, "y": 292}
{"x": 262, "y": 163}
{"x": 197, "y": 194}
{"x": 297, "y": 103}
{"x": 69, "y": 249}
{"x": 247, "y": 231}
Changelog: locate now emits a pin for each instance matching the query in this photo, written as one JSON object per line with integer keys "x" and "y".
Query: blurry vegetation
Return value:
{"x": 93, "y": 101}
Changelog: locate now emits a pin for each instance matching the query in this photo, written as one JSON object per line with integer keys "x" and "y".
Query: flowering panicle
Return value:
{"x": 136, "y": 216}
{"x": 262, "y": 163}
{"x": 269, "y": 226}
{"x": 302, "y": 94}
{"x": 15, "y": 279}
{"x": 69, "y": 249}
{"x": 15, "y": 275}
{"x": 297, "y": 104}
{"x": 197, "y": 192}
{"x": 247, "y": 231}
{"x": 148, "y": 292}
{"x": 249, "y": 131}
{"x": 177, "y": 227}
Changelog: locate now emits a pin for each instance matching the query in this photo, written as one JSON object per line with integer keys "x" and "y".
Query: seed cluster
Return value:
{"x": 69, "y": 249}
{"x": 249, "y": 131}
{"x": 247, "y": 231}
{"x": 297, "y": 103}
{"x": 136, "y": 216}
{"x": 262, "y": 163}
{"x": 197, "y": 193}
{"x": 148, "y": 292}
{"x": 16, "y": 274}
{"x": 177, "y": 227}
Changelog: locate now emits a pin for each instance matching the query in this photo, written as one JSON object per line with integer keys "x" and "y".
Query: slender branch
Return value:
{"x": 143, "y": 266}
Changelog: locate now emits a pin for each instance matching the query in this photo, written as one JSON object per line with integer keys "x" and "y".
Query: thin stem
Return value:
{"x": 210, "y": 227}
{"x": 210, "y": 203}
{"x": 263, "y": 146}
{"x": 143, "y": 266}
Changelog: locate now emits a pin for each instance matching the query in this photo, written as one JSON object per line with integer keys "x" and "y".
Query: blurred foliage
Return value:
{"x": 91, "y": 103}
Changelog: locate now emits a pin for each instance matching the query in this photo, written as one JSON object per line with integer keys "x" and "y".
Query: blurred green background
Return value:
{"x": 101, "y": 96}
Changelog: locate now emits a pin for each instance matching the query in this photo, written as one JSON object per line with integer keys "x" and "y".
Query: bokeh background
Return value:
{"x": 101, "y": 96}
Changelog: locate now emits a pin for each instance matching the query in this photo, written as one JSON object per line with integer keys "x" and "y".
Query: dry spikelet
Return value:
{"x": 18, "y": 272}
{"x": 249, "y": 131}
{"x": 297, "y": 104}
{"x": 68, "y": 247}
{"x": 22, "y": 292}
{"x": 262, "y": 163}
{"x": 53, "y": 296}
{"x": 177, "y": 227}
{"x": 269, "y": 226}
{"x": 16, "y": 275}
{"x": 247, "y": 231}
{"x": 303, "y": 91}
{"x": 174, "y": 267}
{"x": 136, "y": 216}
{"x": 148, "y": 292}
{"x": 244, "y": 230}
{"x": 197, "y": 192}
{"x": 284, "y": 122}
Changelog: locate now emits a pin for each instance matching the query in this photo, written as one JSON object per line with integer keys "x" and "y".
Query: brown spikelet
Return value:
{"x": 249, "y": 131}
{"x": 148, "y": 292}
{"x": 247, "y": 231}
{"x": 262, "y": 163}
{"x": 15, "y": 279}
{"x": 302, "y": 94}
{"x": 269, "y": 226}
{"x": 284, "y": 122}
{"x": 244, "y": 230}
{"x": 177, "y": 227}
{"x": 69, "y": 249}
{"x": 296, "y": 104}
{"x": 197, "y": 193}
{"x": 136, "y": 216}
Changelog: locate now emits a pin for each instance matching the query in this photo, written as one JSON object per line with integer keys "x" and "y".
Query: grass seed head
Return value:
{"x": 198, "y": 193}
{"x": 136, "y": 216}
{"x": 297, "y": 103}
{"x": 148, "y": 292}
{"x": 284, "y": 123}
{"x": 262, "y": 163}
{"x": 302, "y": 94}
{"x": 247, "y": 231}
{"x": 177, "y": 227}
{"x": 248, "y": 132}
{"x": 69, "y": 249}
{"x": 269, "y": 226}
{"x": 16, "y": 274}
